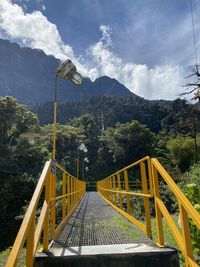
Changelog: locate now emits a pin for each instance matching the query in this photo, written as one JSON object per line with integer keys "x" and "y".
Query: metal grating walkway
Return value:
{"x": 94, "y": 222}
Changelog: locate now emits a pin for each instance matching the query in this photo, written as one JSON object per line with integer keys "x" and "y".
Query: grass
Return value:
{"x": 168, "y": 237}
{"x": 123, "y": 226}
{"x": 4, "y": 255}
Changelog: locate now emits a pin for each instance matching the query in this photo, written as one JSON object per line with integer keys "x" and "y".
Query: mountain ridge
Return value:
{"x": 28, "y": 75}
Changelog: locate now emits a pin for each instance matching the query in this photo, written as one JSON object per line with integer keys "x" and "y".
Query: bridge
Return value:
{"x": 65, "y": 224}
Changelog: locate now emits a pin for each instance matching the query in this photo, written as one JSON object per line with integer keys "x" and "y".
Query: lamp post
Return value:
{"x": 67, "y": 71}
{"x": 85, "y": 160}
{"x": 83, "y": 148}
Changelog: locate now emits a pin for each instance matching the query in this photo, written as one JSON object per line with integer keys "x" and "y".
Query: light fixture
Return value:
{"x": 67, "y": 71}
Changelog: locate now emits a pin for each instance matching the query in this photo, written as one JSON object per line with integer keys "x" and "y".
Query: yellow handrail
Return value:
{"x": 186, "y": 211}
{"x": 32, "y": 228}
{"x": 110, "y": 189}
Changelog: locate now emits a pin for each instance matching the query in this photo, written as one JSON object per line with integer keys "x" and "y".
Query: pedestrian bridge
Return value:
{"x": 67, "y": 226}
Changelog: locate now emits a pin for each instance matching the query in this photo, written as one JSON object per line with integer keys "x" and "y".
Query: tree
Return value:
{"x": 129, "y": 142}
{"x": 182, "y": 151}
{"x": 68, "y": 138}
{"x": 194, "y": 84}
{"x": 15, "y": 119}
{"x": 91, "y": 130}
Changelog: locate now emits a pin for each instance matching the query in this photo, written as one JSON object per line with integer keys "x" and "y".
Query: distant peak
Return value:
{"x": 104, "y": 77}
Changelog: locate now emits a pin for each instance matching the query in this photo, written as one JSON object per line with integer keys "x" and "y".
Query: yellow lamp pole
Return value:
{"x": 67, "y": 71}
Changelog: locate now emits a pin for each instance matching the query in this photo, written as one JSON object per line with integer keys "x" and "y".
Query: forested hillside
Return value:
{"x": 156, "y": 115}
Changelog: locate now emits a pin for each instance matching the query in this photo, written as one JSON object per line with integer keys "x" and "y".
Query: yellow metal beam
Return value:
{"x": 146, "y": 200}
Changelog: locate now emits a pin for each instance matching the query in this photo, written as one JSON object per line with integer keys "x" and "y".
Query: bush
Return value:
{"x": 182, "y": 151}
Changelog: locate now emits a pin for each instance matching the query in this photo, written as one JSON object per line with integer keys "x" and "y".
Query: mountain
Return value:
{"x": 28, "y": 74}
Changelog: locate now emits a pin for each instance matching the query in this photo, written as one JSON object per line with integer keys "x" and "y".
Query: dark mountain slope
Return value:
{"x": 28, "y": 74}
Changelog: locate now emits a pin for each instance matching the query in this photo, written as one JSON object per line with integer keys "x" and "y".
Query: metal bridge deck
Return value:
{"x": 94, "y": 222}
{"x": 97, "y": 236}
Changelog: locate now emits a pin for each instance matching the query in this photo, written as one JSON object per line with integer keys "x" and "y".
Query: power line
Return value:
{"x": 194, "y": 37}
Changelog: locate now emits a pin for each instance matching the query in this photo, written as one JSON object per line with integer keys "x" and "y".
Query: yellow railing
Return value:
{"x": 186, "y": 211}
{"x": 120, "y": 187}
{"x": 151, "y": 171}
{"x": 45, "y": 226}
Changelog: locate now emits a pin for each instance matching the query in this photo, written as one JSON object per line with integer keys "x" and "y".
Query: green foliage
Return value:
{"x": 190, "y": 185}
{"x": 113, "y": 109}
{"x": 192, "y": 191}
{"x": 15, "y": 191}
{"x": 192, "y": 176}
{"x": 129, "y": 142}
{"x": 168, "y": 198}
{"x": 15, "y": 118}
{"x": 170, "y": 116}
{"x": 182, "y": 151}
{"x": 91, "y": 131}
{"x": 20, "y": 161}
{"x": 68, "y": 138}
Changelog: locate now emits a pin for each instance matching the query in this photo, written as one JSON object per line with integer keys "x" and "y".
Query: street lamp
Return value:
{"x": 66, "y": 71}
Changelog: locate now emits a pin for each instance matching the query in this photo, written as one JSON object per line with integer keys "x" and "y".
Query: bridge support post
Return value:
{"x": 64, "y": 195}
{"x": 53, "y": 206}
{"x": 159, "y": 225}
{"x": 110, "y": 188}
{"x": 114, "y": 188}
{"x": 68, "y": 192}
{"x": 127, "y": 189}
{"x": 119, "y": 188}
{"x": 146, "y": 200}
{"x": 46, "y": 222}
{"x": 186, "y": 235}
{"x": 30, "y": 243}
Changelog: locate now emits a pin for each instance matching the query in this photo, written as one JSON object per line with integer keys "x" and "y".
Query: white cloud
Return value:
{"x": 33, "y": 29}
{"x": 36, "y": 31}
{"x": 160, "y": 82}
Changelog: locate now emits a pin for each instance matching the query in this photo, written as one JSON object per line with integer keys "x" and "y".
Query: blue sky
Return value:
{"x": 146, "y": 44}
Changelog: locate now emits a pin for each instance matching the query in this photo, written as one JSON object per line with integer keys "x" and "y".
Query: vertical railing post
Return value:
{"x": 186, "y": 235}
{"x": 150, "y": 176}
{"x": 127, "y": 190}
{"x": 53, "y": 212}
{"x": 71, "y": 193}
{"x": 114, "y": 188}
{"x": 119, "y": 189}
{"x": 74, "y": 191}
{"x": 78, "y": 188}
{"x": 159, "y": 224}
{"x": 64, "y": 195}
{"x": 30, "y": 242}
{"x": 107, "y": 187}
{"x": 46, "y": 221}
{"x": 110, "y": 187}
{"x": 68, "y": 192}
{"x": 146, "y": 200}
{"x": 109, "y": 193}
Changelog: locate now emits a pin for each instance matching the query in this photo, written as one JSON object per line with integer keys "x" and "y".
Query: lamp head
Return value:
{"x": 67, "y": 71}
